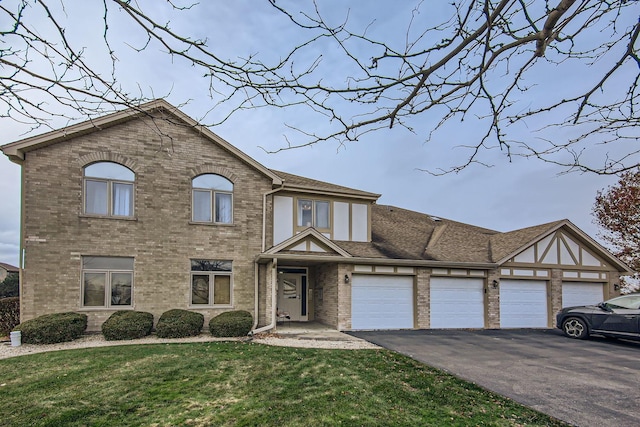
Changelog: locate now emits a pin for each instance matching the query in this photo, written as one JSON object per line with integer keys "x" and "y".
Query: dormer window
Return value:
{"x": 313, "y": 213}
{"x": 212, "y": 199}
{"x": 108, "y": 190}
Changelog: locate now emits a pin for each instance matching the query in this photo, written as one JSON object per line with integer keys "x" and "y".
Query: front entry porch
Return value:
{"x": 294, "y": 294}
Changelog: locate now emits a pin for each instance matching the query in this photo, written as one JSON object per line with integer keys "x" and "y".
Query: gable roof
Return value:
{"x": 16, "y": 150}
{"x": 312, "y": 235}
{"x": 307, "y": 185}
{"x": 10, "y": 268}
{"x": 506, "y": 245}
{"x": 526, "y": 237}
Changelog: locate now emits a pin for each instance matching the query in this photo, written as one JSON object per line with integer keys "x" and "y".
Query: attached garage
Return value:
{"x": 382, "y": 302}
{"x": 523, "y": 304}
{"x": 581, "y": 293}
{"x": 457, "y": 302}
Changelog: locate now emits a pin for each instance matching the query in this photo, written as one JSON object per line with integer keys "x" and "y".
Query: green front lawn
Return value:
{"x": 230, "y": 383}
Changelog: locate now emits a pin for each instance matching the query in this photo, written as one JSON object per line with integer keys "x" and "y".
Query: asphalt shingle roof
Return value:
{"x": 398, "y": 233}
{"x": 10, "y": 268}
{"x": 296, "y": 181}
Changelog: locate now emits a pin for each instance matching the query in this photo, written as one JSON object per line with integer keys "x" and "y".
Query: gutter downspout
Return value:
{"x": 274, "y": 300}
{"x": 264, "y": 244}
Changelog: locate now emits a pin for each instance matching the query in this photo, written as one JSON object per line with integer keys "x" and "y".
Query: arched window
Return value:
{"x": 108, "y": 189}
{"x": 212, "y": 199}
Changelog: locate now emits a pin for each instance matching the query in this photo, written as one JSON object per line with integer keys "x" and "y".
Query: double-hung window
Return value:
{"x": 313, "y": 213}
{"x": 107, "y": 281}
{"x": 108, "y": 190}
{"x": 212, "y": 199}
{"x": 211, "y": 282}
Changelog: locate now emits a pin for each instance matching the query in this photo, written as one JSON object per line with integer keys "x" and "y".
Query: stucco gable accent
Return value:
{"x": 565, "y": 244}
{"x": 312, "y": 236}
{"x": 107, "y": 156}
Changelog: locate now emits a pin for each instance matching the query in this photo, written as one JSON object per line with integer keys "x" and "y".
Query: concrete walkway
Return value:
{"x": 311, "y": 331}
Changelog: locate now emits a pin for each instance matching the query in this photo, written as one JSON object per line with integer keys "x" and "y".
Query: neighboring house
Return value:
{"x": 145, "y": 209}
{"x": 6, "y": 269}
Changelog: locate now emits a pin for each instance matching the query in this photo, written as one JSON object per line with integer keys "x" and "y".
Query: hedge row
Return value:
{"x": 9, "y": 314}
{"x": 127, "y": 325}
{"x": 53, "y": 328}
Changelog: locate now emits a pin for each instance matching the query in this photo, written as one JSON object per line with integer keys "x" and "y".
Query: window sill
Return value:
{"x": 121, "y": 218}
{"x": 217, "y": 224}
{"x": 116, "y": 308}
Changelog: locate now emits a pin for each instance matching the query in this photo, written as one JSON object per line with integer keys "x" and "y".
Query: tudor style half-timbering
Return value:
{"x": 146, "y": 210}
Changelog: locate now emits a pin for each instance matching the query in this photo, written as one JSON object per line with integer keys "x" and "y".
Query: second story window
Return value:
{"x": 108, "y": 190}
{"x": 313, "y": 213}
{"x": 212, "y": 199}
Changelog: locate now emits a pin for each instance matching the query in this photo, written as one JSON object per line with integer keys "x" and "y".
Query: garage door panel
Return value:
{"x": 457, "y": 302}
{"x": 381, "y": 302}
{"x": 581, "y": 293}
{"x": 523, "y": 304}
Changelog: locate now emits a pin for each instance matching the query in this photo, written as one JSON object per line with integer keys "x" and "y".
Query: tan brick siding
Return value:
{"x": 326, "y": 309}
{"x": 165, "y": 158}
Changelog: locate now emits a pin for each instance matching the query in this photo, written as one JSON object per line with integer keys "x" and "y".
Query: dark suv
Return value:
{"x": 618, "y": 317}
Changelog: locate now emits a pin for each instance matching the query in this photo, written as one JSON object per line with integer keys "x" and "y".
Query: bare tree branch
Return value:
{"x": 490, "y": 65}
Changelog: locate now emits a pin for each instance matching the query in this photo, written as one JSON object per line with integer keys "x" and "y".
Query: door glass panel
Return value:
{"x": 303, "y": 292}
{"x": 289, "y": 289}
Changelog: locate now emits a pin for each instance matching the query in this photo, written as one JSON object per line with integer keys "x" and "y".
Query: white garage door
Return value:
{"x": 523, "y": 304}
{"x": 381, "y": 302}
{"x": 581, "y": 293}
{"x": 457, "y": 302}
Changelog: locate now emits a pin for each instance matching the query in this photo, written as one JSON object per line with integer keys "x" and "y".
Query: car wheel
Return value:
{"x": 575, "y": 327}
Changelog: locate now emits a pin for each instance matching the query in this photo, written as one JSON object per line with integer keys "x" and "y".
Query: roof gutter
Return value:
{"x": 274, "y": 300}
{"x": 263, "y": 258}
{"x": 264, "y": 244}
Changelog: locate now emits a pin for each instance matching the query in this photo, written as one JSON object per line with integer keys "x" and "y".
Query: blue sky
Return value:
{"x": 509, "y": 195}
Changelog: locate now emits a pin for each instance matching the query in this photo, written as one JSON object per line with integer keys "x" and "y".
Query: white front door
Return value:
{"x": 291, "y": 298}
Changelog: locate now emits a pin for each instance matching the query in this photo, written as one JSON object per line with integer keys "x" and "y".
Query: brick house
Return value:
{"x": 6, "y": 269}
{"x": 144, "y": 209}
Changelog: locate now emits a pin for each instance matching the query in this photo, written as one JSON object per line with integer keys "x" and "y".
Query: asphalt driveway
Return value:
{"x": 585, "y": 383}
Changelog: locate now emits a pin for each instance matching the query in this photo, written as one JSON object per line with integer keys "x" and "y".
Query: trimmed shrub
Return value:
{"x": 178, "y": 323}
{"x": 9, "y": 314}
{"x": 53, "y": 328}
{"x": 231, "y": 324}
{"x": 127, "y": 325}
